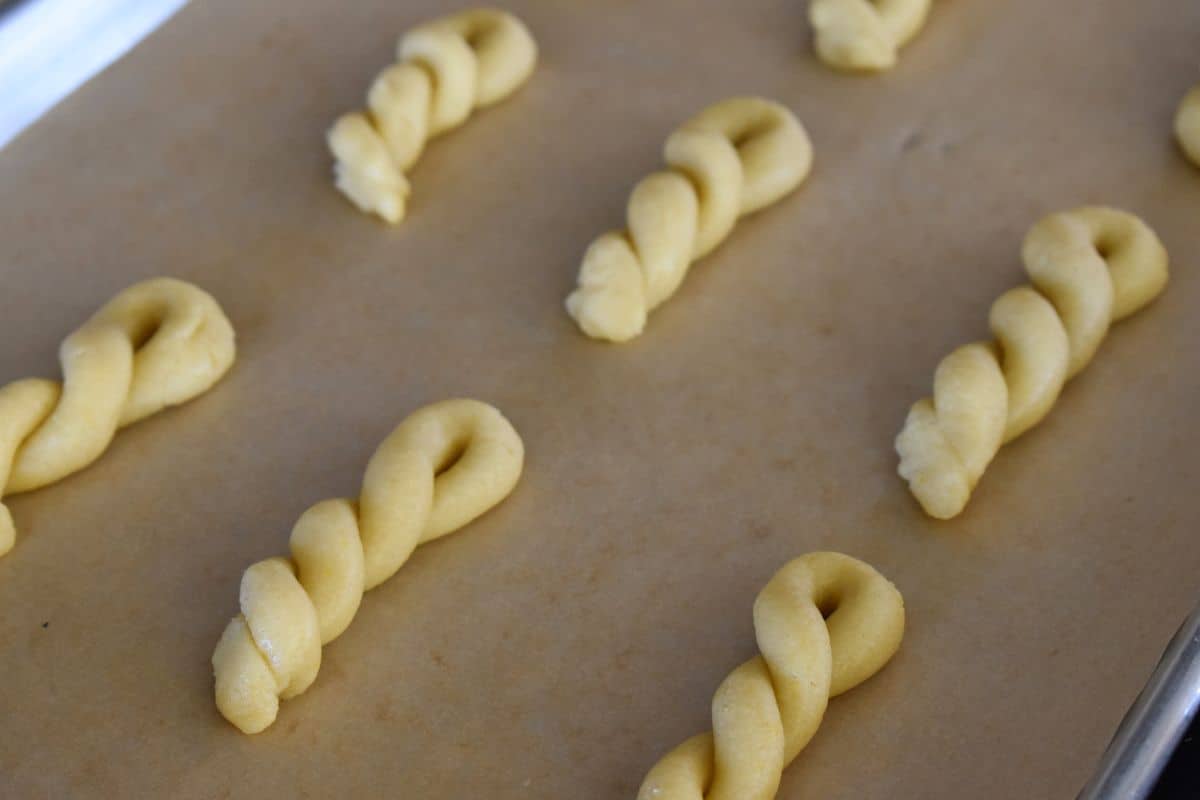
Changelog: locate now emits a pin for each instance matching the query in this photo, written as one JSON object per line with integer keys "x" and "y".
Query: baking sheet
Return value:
{"x": 560, "y": 645}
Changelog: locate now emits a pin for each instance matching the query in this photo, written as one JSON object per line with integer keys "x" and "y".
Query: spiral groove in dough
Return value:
{"x": 445, "y": 69}
{"x": 731, "y": 159}
{"x": 1187, "y": 125}
{"x": 1089, "y": 267}
{"x": 158, "y": 343}
{"x": 442, "y": 467}
{"x": 825, "y": 623}
{"x": 864, "y": 35}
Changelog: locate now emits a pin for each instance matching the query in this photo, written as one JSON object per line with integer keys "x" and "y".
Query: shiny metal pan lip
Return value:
{"x": 1148, "y": 735}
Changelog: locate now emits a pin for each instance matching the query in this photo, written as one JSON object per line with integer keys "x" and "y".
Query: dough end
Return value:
{"x": 8, "y": 531}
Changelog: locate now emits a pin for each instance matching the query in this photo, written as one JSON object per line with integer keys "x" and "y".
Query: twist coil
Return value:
{"x": 438, "y": 470}
{"x": 732, "y": 159}
{"x": 864, "y": 34}
{"x": 446, "y": 68}
{"x": 1187, "y": 125}
{"x": 1089, "y": 267}
{"x": 825, "y": 623}
{"x": 158, "y": 343}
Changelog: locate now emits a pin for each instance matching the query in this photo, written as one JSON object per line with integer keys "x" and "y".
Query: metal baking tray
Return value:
{"x": 48, "y": 48}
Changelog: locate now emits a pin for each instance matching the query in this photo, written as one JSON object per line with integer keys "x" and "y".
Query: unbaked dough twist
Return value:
{"x": 1187, "y": 125}
{"x": 731, "y": 159}
{"x": 864, "y": 35}
{"x": 825, "y": 623}
{"x": 1089, "y": 267}
{"x": 438, "y": 470}
{"x": 158, "y": 343}
{"x": 446, "y": 68}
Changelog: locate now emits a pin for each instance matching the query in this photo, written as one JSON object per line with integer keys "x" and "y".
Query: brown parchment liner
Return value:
{"x": 560, "y": 645}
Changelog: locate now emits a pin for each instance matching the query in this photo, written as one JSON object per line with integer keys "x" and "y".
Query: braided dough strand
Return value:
{"x": 732, "y": 159}
{"x": 158, "y": 343}
{"x": 446, "y": 68}
{"x": 1187, "y": 125}
{"x": 825, "y": 623}
{"x": 1089, "y": 267}
{"x": 864, "y": 35}
{"x": 438, "y": 470}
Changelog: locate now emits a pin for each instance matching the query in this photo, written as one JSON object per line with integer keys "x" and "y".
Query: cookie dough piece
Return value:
{"x": 159, "y": 343}
{"x": 438, "y": 470}
{"x": 825, "y": 623}
{"x": 445, "y": 69}
{"x": 1089, "y": 267}
{"x": 732, "y": 159}
{"x": 864, "y": 35}
{"x": 1187, "y": 125}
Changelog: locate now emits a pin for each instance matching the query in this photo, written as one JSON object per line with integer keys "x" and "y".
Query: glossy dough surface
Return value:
{"x": 1187, "y": 125}
{"x": 445, "y": 70}
{"x": 824, "y": 623}
{"x": 438, "y": 470}
{"x": 864, "y": 35}
{"x": 158, "y": 343}
{"x": 1089, "y": 267}
{"x": 731, "y": 159}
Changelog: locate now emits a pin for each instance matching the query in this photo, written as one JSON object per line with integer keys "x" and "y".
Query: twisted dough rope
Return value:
{"x": 438, "y": 470}
{"x": 1089, "y": 267}
{"x": 1187, "y": 125}
{"x": 825, "y": 623}
{"x": 447, "y": 68}
{"x": 731, "y": 159}
{"x": 864, "y": 34}
{"x": 159, "y": 343}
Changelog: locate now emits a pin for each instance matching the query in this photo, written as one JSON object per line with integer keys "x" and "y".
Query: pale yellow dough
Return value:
{"x": 732, "y": 159}
{"x": 1187, "y": 125}
{"x": 767, "y": 710}
{"x": 159, "y": 343}
{"x": 438, "y": 470}
{"x": 445, "y": 69}
{"x": 864, "y": 35}
{"x": 1089, "y": 267}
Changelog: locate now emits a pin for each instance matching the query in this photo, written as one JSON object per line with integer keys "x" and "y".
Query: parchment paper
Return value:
{"x": 556, "y": 648}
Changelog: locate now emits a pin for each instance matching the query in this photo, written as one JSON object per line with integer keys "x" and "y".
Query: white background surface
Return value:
{"x": 48, "y": 48}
